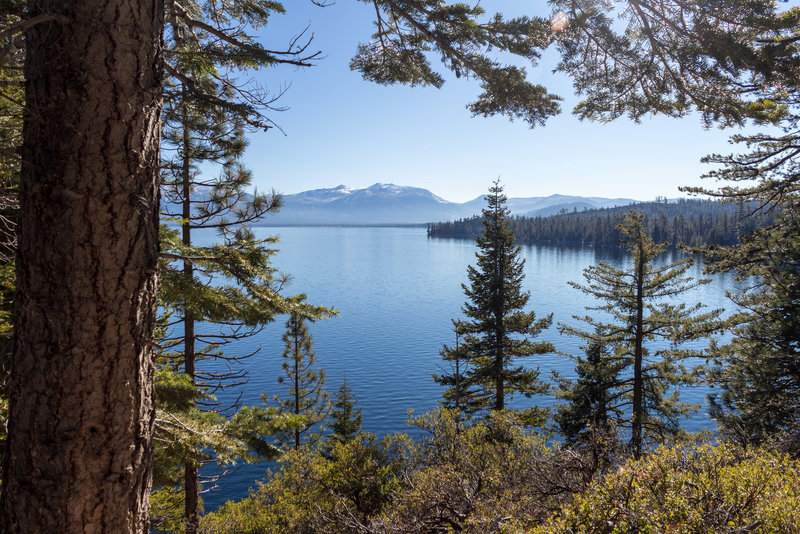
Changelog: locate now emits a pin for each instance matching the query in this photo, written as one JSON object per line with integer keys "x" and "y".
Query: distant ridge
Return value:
{"x": 390, "y": 204}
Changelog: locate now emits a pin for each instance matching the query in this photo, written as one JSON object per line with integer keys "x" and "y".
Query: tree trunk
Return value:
{"x": 296, "y": 388}
{"x": 191, "y": 484}
{"x": 638, "y": 378}
{"x": 499, "y": 316}
{"x": 500, "y": 337}
{"x": 81, "y": 394}
{"x": 458, "y": 384}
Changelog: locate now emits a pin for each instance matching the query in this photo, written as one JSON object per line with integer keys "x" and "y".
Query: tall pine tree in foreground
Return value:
{"x": 306, "y": 396}
{"x": 634, "y": 300}
{"x": 498, "y": 331}
{"x": 80, "y": 396}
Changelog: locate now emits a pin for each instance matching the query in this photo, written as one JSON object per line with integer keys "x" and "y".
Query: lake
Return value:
{"x": 396, "y": 291}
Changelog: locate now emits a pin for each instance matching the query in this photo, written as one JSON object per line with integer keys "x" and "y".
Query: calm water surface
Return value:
{"x": 396, "y": 291}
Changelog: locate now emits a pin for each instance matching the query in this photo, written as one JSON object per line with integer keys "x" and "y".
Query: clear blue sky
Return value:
{"x": 340, "y": 129}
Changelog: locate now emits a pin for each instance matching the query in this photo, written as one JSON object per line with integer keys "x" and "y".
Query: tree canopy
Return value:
{"x": 638, "y": 306}
{"x": 498, "y": 330}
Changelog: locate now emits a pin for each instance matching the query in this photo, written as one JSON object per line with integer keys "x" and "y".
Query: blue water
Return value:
{"x": 396, "y": 291}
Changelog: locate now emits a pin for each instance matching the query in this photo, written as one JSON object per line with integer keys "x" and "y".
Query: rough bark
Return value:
{"x": 81, "y": 394}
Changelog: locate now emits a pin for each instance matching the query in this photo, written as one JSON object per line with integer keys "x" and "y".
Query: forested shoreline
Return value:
{"x": 689, "y": 222}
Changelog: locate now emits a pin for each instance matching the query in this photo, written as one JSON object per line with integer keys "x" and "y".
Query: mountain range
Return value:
{"x": 388, "y": 204}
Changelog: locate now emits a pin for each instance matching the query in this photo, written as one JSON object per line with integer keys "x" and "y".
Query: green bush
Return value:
{"x": 318, "y": 493}
{"x": 495, "y": 476}
{"x": 490, "y": 476}
{"x": 480, "y": 478}
{"x": 719, "y": 489}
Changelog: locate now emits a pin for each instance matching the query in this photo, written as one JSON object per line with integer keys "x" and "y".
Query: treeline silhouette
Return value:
{"x": 691, "y": 222}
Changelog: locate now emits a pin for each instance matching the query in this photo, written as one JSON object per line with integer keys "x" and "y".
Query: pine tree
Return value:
{"x": 592, "y": 398}
{"x": 758, "y": 372}
{"x": 228, "y": 290}
{"x": 307, "y": 396}
{"x": 189, "y": 429}
{"x": 729, "y": 61}
{"x": 345, "y": 418}
{"x": 634, "y": 300}
{"x": 457, "y": 394}
{"x": 734, "y": 62}
{"x": 12, "y": 100}
{"x": 590, "y": 418}
{"x": 81, "y": 395}
{"x": 498, "y": 330}
{"x": 408, "y": 34}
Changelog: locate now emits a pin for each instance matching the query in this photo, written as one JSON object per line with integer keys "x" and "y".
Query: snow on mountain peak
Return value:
{"x": 392, "y": 188}
{"x": 385, "y": 203}
{"x": 404, "y": 190}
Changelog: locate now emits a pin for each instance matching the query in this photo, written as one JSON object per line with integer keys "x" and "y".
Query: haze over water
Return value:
{"x": 396, "y": 291}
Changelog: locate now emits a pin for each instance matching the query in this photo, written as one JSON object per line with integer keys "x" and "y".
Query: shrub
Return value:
{"x": 318, "y": 493}
{"x": 480, "y": 478}
{"x": 720, "y": 489}
{"x": 491, "y": 476}
{"x": 495, "y": 476}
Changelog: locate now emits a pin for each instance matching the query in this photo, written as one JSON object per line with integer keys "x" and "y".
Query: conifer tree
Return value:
{"x": 457, "y": 394}
{"x": 227, "y": 290}
{"x": 12, "y": 100}
{"x": 593, "y": 397}
{"x": 733, "y": 62}
{"x": 306, "y": 396}
{"x": 81, "y": 393}
{"x": 634, "y": 299}
{"x": 408, "y": 33}
{"x": 729, "y": 61}
{"x": 186, "y": 431}
{"x": 345, "y": 419}
{"x": 590, "y": 419}
{"x": 497, "y": 329}
{"x": 758, "y": 372}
